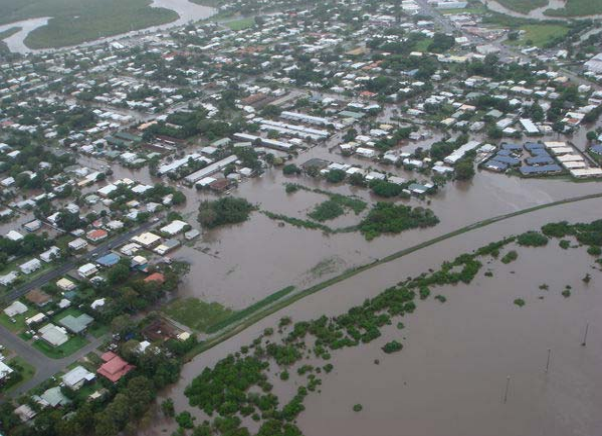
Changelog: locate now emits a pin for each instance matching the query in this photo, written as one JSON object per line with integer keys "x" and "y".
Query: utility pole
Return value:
{"x": 506, "y": 391}
{"x": 548, "y": 362}
{"x": 585, "y": 336}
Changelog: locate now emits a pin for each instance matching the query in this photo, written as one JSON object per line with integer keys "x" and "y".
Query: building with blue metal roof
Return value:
{"x": 107, "y": 260}
{"x": 543, "y": 169}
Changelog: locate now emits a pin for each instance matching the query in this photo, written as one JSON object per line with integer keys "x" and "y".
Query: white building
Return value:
{"x": 77, "y": 377}
{"x": 30, "y": 266}
{"x": 87, "y": 270}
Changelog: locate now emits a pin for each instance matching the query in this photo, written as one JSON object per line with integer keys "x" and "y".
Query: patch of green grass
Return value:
{"x": 19, "y": 323}
{"x": 25, "y": 370}
{"x": 523, "y": 6}
{"x": 197, "y": 314}
{"x": 98, "y": 330}
{"x": 77, "y": 21}
{"x": 243, "y": 23}
{"x": 540, "y": 34}
{"x": 423, "y": 45}
{"x": 67, "y": 349}
{"x": 241, "y": 314}
{"x": 577, "y": 8}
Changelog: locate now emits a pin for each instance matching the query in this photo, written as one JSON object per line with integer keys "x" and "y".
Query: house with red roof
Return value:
{"x": 97, "y": 235}
{"x": 114, "y": 367}
{"x": 155, "y": 277}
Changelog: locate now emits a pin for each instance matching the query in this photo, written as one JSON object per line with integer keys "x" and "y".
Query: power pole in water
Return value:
{"x": 506, "y": 391}
{"x": 585, "y": 336}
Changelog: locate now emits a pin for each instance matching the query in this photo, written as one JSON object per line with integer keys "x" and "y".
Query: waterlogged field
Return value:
{"x": 460, "y": 340}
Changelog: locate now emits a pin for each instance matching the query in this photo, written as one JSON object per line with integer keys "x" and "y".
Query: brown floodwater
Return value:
{"x": 450, "y": 377}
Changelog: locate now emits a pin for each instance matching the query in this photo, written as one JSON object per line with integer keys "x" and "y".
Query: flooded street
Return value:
{"x": 476, "y": 339}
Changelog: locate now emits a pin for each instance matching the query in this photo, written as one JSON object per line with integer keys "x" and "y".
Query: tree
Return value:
{"x": 291, "y": 169}
{"x": 118, "y": 274}
{"x": 167, "y": 407}
{"x": 591, "y": 136}
{"x": 226, "y": 210}
{"x": 464, "y": 170}
{"x": 335, "y": 176}
{"x": 68, "y": 221}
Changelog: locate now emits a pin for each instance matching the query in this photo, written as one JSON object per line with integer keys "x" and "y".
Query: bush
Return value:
{"x": 326, "y": 211}
{"x": 511, "y": 256}
{"x": 532, "y": 239}
{"x": 291, "y": 188}
{"x": 226, "y": 210}
{"x": 335, "y": 176}
{"x": 391, "y": 218}
{"x": 358, "y": 408}
{"x": 290, "y": 170}
{"x": 392, "y": 347}
{"x": 185, "y": 420}
{"x": 385, "y": 189}
{"x": 519, "y": 302}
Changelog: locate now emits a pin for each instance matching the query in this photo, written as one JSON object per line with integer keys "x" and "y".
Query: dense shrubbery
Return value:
{"x": 391, "y": 218}
{"x": 226, "y": 210}
{"x": 392, "y": 347}
{"x": 385, "y": 189}
{"x": 511, "y": 256}
{"x": 326, "y": 210}
{"x": 532, "y": 239}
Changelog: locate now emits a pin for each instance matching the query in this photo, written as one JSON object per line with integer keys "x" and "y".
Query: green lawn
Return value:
{"x": 197, "y": 314}
{"x": 577, "y": 8}
{"x": 98, "y": 330}
{"x": 67, "y": 349}
{"x": 423, "y": 45}
{"x": 77, "y": 21}
{"x": 243, "y": 23}
{"x": 523, "y": 6}
{"x": 26, "y": 370}
{"x": 540, "y": 34}
{"x": 19, "y": 325}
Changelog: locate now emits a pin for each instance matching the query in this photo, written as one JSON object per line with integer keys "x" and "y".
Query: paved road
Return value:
{"x": 63, "y": 269}
{"x": 45, "y": 366}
